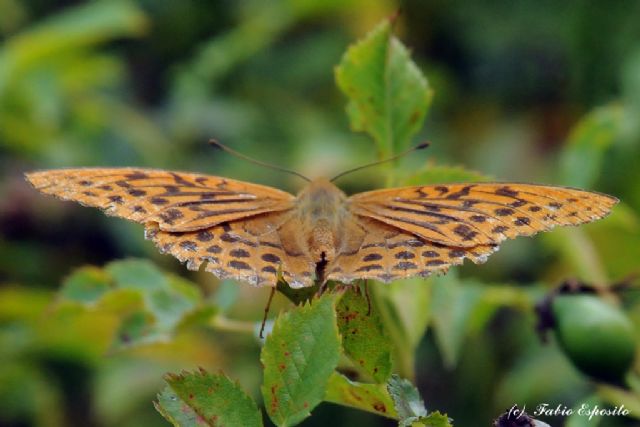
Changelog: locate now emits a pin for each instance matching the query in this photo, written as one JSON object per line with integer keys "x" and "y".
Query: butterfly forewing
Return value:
{"x": 468, "y": 215}
{"x": 177, "y": 201}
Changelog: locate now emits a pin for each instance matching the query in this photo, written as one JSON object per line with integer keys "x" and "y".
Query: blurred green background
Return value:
{"x": 536, "y": 91}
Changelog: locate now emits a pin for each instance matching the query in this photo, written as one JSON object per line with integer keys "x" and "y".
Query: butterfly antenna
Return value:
{"x": 390, "y": 159}
{"x": 254, "y": 161}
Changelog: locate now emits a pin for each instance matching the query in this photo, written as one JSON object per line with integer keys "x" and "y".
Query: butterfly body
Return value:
{"x": 321, "y": 209}
{"x": 260, "y": 234}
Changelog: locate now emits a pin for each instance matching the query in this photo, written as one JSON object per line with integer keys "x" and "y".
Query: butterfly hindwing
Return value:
{"x": 256, "y": 250}
{"x": 387, "y": 253}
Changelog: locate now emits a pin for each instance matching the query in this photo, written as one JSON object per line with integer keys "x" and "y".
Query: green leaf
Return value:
{"x": 388, "y": 95}
{"x": 406, "y": 400}
{"x": 297, "y": 296}
{"x": 435, "y": 419}
{"x": 581, "y": 160}
{"x": 364, "y": 338}
{"x": 436, "y": 174}
{"x": 368, "y": 397}
{"x": 410, "y": 407}
{"x": 204, "y": 399}
{"x": 298, "y": 358}
{"x": 154, "y": 305}
{"x": 86, "y": 285}
{"x": 136, "y": 328}
{"x": 137, "y": 274}
{"x": 176, "y": 411}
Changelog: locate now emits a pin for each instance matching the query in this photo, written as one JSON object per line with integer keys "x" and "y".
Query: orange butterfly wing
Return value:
{"x": 416, "y": 231}
{"x": 256, "y": 249}
{"x": 466, "y": 215}
{"x": 382, "y": 252}
{"x": 239, "y": 230}
{"x": 177, "y": 201}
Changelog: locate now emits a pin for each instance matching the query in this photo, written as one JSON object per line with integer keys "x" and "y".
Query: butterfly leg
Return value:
{"x": 266, "y": 312}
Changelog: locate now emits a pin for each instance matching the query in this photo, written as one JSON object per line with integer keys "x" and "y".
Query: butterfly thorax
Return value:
{"x": 321, "y": 206}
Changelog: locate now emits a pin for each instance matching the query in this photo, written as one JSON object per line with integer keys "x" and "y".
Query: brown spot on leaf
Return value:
{"x": 380, "y": 407}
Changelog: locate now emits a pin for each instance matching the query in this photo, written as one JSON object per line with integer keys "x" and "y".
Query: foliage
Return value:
{"x": 364, "y": 337}
{"x": 146, "y": 83}
{"x": 203, "y": 399}
{"x": 388, "y": 95}
{"x": 299, "y": 357}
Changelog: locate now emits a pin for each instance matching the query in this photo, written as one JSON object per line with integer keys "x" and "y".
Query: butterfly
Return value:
{"x": 259, "y": 234}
